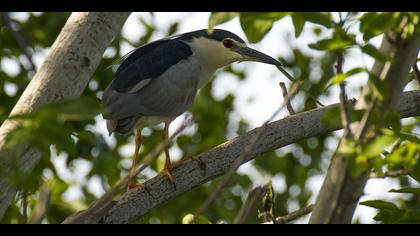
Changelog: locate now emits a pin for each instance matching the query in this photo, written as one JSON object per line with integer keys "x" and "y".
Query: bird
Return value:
{"x": 157, "y": 82}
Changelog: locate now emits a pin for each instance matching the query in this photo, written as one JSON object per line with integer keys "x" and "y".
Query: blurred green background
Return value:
{"x": 83, "y": 162}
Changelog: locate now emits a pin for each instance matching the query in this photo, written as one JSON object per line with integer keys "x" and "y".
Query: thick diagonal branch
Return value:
{"x": 217, "y": 161}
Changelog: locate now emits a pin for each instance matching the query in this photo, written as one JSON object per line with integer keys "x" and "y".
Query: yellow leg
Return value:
{"x": 132, "y": 182}
{"x": 168, "y": 165}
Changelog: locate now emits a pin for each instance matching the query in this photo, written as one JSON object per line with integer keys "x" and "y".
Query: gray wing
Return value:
{"x": 124, "y": 97}
{"x": 148, "y": 62}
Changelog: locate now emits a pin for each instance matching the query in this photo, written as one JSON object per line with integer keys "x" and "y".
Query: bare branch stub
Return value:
{"x": 293, "y": 80}
{"x": 250, "y": 205}
{"x": 294, "y": 215}
{"x": 286, "y": 98}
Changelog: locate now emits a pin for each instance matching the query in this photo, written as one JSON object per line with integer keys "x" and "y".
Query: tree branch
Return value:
{"x": 64, "y": 74}
{"x": 391, "y": 173}
{"x": 286, "y": 98}
{"x": 340, "y": 191}
{"x": 250, "y": 205}
{"x": 293, "y": 80}
{"x": 294, "y": 215}
{"x": 217, "y": 161}
{"x": 344, "y": 111}
{"x": 41, "y": 206}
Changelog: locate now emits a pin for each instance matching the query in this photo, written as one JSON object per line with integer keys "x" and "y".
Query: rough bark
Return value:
{"x": 71, "y": 62}
{"x": 217, "y": 161}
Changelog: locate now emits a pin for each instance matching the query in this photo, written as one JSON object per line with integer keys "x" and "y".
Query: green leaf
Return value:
{"x": 58, "y": 187}
{"x": 415, "y": 173}
{"x": 217, "y": 18}
{"x": 173, "y": 28}
{"x": 338, "y": 42}
{"x": 298, "y": 22}
{"x": 375, "y": 53}
{"x": 379, "y": 87}
{"x": 189, "y": 219}
{"x": 338, "y": 79}
{"x": 321, "y": 18}
{"x": 391, "y": 216}
{"x": 379, "y": 204}
{"x": 268, "y": 203}
{"x": 331, "y": 117}
{"x": 255, "y": 29}
{"x": 406, "y": 155}
{"x": 390, "y": 213}
{"x": 347, "y": 148}
{"x": 378, "y": 145}
{"x": 406, "y": 190}
{"x": 389, "y": 118}
{"x": 274, "y": 16}
{"x": 373, "y": 24}
{"x": 257, "y": 25}
{"x": 409, "y": 137}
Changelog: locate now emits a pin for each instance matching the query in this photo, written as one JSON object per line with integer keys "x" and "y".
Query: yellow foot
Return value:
{"x": 167, "y": 172}
{"x": 134, "y": 184}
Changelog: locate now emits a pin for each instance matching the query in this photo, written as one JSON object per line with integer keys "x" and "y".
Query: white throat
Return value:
{"x": 212, "y": 53}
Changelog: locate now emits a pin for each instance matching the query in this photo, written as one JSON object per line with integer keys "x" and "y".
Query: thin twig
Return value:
{"x": 101, "y": 206}
{"x": 248, "y": 148}
{"x": 294, "y": 215}
{"x": 344, "y": 110}
{"x": 20, "y": 40}
{"x": 250, "y": 205}
{"x": 290, "y": 77}
{"x": 25, "y": 207}
{"x": 364, "y": 122}
{"x": 41, "y": 206}
{"x": 391, "y": 173}
{"x": 286, "y": 99}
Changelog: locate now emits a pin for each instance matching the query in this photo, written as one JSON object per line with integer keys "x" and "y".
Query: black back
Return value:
{"x": 153, "y": 59}
{"x": 149, "y": 62}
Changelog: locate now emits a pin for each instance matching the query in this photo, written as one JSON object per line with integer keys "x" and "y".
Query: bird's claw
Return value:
{"x": 168, "y": 174}
{"x": 134, "y": 184}
{"x": 171, "y": 178}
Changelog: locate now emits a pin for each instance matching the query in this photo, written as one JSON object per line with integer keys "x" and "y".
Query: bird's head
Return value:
{"x": 219, "y": 48}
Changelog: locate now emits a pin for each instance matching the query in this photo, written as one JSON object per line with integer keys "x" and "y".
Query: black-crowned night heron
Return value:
{"x": 159, "y": 81}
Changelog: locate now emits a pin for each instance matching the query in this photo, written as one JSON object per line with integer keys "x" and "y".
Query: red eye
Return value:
{"x": 228, "y": 43}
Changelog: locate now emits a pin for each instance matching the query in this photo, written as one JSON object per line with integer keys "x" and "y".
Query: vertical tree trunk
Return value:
{"x": 71, "y": 62}
{"x": 340, "y": 192}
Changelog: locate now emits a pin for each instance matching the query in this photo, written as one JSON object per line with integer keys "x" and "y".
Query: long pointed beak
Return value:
{"x": 254, "y": 55}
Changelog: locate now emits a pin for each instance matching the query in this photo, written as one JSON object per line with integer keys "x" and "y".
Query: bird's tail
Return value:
{"x": 122, "y": 126}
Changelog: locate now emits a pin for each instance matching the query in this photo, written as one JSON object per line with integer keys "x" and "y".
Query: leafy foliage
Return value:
{"x": 69, "y": 125}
